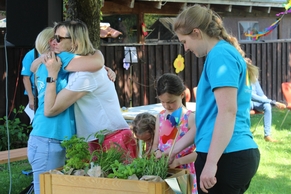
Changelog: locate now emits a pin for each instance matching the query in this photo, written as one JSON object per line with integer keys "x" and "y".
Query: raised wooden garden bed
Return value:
{"x": 68, "y": 184}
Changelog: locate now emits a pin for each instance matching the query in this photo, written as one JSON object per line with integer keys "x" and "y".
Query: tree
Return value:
{"x": 88, "y": 11}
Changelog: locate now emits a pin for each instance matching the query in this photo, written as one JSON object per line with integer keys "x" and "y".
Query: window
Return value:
{"x": 249, "y": 27}
{"x": 126, "y": 24}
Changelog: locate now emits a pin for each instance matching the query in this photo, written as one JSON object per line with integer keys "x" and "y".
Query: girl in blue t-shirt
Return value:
{"x": 228, "y": 157}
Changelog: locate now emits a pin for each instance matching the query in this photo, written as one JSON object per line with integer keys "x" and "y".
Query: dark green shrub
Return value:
{"x": 18, "y": 131}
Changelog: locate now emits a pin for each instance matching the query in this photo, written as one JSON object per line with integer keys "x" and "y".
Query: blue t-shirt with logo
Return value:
{"x": 223, "y": 67}
{"x": 62, "y": 125}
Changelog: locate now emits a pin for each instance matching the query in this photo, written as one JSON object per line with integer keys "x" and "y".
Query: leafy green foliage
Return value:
{"x": 140, "y": 167}
{"x": 108, "y": 157}
{"x": 150, "y": 19}
{"x": 123, "y": 171}
{"x": 158, "y": 167}
{"x": 18, "y": 131}
{"x": 79, "y": 157}
{"x": 77, "y": 153}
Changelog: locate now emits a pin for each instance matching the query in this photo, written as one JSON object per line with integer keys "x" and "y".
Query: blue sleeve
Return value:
{"x": 26, "y": 63}
{"x": 258, "y": 94}
{"x": 66, "y": 58}
{"x": 224, "y": 72}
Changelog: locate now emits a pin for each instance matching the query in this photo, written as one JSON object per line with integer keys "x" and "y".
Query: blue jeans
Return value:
{"x": 44, "y": 154}
{"x": 267, "y": 108}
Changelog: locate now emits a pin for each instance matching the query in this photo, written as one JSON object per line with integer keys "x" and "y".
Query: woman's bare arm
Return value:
{"x": 89, "y": 63}
{"x": 184, "y": 160}
{"x": 57, "y": 103}
{"x": 37, "y": 62}
{"x": 226, "y": 99}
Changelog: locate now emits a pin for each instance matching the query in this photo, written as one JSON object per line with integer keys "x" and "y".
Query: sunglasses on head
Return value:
{"x": 60, "y": 38}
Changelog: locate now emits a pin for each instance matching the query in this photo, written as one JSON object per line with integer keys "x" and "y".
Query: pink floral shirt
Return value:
{"x": 166, "y": 139}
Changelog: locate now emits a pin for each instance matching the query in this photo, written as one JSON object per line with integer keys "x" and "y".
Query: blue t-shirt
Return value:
{"x": 223, "y": 67}
{"x": 26, "y": 63}
{"x": 62, "y": 125}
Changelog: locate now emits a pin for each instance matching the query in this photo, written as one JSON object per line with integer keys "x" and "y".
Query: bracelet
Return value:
{"x": 157, "y": 150}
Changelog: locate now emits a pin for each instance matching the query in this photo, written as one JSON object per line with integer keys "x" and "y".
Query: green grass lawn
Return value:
{"x": 19, "y": 181}
{"x": 274, "y": 173}
{"x": 273, "y": 176}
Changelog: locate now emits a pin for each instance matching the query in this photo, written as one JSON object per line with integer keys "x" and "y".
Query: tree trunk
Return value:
{"x": 89, "y": 12}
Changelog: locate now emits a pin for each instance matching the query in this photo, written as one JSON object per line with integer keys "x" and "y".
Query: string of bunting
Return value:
{"x": 269, "y": 29}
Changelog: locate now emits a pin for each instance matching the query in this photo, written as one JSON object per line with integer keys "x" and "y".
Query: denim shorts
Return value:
{"x": 44, "y": 154}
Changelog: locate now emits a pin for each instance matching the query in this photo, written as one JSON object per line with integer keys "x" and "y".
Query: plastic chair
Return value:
{"x": 255, "y": 112}
{"x": 286, "y": 89}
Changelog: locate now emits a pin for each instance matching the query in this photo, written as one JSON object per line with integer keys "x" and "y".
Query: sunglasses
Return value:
{"x": 60, "y": 38}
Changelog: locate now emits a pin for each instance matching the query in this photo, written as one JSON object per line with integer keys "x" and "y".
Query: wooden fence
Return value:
{"x": 155, "y": 59}
{"x": 136, "y": 84}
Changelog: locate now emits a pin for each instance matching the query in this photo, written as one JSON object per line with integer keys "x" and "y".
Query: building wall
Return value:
{"x": 283, "y": 31}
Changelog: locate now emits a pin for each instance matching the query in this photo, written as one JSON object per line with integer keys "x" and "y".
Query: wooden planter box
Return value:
{"x": 68, "y": 184}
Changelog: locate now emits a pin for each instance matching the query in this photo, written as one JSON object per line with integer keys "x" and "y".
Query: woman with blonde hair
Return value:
{"x": 43, "y": 44}
{"x": 44, "y": 40}
{"x": 44, "y": 145}
{"x": 90, "y": 92}
{"x": 228, "y": 156}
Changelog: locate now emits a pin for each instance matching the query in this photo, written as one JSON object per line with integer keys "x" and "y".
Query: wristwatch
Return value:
{"x": 50, "y": 80}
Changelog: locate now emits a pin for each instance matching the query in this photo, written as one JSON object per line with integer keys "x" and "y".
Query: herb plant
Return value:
{"x": 140, "y": 167}
{"x": 79, "y": 157}
{"x": 77, "y": 153}
{"x": 108, "y": 157}
{"x": 113, "y": 161}
{"x": 158, "y": 167}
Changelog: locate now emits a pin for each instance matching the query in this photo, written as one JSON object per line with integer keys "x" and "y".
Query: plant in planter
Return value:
{"x": 77, "y": 154}
{"x": 79, "y": 157}
{"x": 107, "y": 157}
{"x": 141, "y": 167}
{"x": 118, "y": 168}
{"x": 112, "y": 161}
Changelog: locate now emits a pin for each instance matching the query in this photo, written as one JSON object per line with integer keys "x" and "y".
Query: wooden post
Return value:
{"x": 140, "y": 18}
